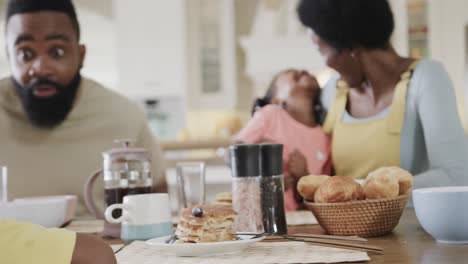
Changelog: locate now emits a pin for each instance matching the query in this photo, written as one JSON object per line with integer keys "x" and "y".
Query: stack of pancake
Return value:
{"x": 224, "y": 198}
{"x": 213, "y": 223}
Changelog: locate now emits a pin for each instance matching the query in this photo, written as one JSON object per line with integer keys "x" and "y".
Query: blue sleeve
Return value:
{"x": 444, "y": 137}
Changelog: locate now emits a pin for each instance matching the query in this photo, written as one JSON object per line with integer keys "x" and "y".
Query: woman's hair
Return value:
{"x": 317, "y": 109}
{"x": 346, "y": 24}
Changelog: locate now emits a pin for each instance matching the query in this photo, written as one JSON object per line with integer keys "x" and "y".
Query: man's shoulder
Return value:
{"x": 5, "y": 83}
{"x": 7, "y": 93}
{"x": 109, "y": 100}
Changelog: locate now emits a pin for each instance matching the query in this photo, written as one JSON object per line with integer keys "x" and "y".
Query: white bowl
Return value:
{"x": 48, "y": 211}
{"x": 443, "y": 213}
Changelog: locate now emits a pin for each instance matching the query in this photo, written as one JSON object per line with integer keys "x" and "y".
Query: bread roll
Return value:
{"x": 405, "y": 180}
{"x": 307, "y": 185}
{"x": 339, "y": 189}
{"x": 359, "y": 194}
{"x": 381, "y": 183}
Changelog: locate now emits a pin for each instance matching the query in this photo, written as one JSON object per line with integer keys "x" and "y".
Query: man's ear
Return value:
{"x": 82, "y": 51}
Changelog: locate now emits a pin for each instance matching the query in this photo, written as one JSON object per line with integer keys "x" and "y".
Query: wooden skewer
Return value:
{"x": 350, "y": 246}
{"x": 304, "y": 236}
{"x": 345, "y": 238}
{"x": 342, "y": 242}
{"x": 331, "y": 243}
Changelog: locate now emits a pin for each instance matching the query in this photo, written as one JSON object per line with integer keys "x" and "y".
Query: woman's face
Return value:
{"x": 343, "y": 61}
{"x": 296, "y": 87}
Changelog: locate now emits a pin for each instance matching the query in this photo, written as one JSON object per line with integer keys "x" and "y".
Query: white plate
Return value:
{"x": 201, "y": 249}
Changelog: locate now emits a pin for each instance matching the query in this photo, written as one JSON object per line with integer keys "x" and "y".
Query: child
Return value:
{"x": 27, "y": 243}
{"x": 290, "y": 114}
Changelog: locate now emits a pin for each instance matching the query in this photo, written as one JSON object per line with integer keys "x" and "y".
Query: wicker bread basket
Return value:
{"x": 367, "y": 218}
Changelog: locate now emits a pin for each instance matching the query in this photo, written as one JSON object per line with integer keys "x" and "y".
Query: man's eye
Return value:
{"x": 57, "y": 53}
{"x": 25, "y": 55}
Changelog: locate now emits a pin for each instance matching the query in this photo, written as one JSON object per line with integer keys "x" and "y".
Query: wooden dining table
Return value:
{"x": 408, "y": 243}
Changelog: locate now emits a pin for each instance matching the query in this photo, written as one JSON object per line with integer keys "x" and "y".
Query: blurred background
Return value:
{"x": 195, "y": 66}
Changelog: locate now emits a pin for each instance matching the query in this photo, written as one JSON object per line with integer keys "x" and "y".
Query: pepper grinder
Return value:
{"x": 272, "y": 189}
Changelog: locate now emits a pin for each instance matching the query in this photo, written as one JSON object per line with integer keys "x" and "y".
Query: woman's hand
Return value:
{"x": 297, "y": 165}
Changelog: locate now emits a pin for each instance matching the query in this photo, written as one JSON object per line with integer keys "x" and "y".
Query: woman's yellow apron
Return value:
{"x": 359, "y": 148}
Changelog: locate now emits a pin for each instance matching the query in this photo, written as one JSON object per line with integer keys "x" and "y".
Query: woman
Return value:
{"x": 289, "y": 114}
{"x": 384, "y": 109}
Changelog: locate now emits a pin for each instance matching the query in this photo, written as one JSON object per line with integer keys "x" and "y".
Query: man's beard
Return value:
{"x": 52, "y": 111}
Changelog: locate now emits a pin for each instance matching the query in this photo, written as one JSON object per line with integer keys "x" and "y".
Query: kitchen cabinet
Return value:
{"x": 151, "y": 47}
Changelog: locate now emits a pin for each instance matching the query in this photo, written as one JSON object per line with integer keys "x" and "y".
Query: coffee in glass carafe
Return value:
{"x": 126, "y": 171}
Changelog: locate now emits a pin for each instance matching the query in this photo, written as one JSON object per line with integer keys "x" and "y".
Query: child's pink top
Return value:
{"x": 273, "y": 124}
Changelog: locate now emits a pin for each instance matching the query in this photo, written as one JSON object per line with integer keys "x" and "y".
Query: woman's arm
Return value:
{"x": 442, "y": 130}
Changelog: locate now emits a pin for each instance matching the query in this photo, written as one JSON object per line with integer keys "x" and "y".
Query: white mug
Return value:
{"x": 144, "y": 216}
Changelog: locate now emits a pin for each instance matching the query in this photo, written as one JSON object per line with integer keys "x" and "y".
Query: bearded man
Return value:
{"x": 55, "y": 123}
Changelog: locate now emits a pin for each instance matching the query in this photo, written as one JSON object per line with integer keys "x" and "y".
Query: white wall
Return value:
{"x": 400, "y": 36}
{"x": 446, "y": 33}
{"x": 4, "y": 68}
{"x": 151, "y": 47}
{"x": 245, "y": 11}
{"x": 98, "y": 34}
{"x": 277, "y": 42}
{"x": 447, "y": 23}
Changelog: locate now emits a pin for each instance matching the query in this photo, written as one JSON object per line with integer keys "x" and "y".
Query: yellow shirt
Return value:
{"x": 22, "y": 243}
{"x": 58, "y": 161}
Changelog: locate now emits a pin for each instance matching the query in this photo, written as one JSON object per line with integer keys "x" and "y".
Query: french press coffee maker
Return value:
{"x": 126, "y": 171}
